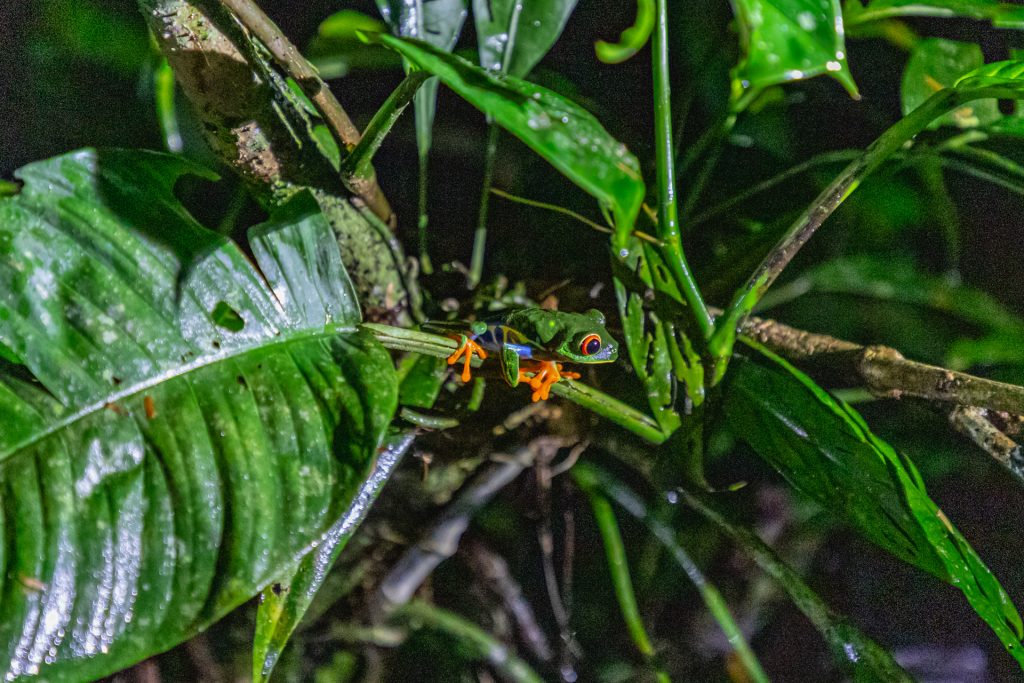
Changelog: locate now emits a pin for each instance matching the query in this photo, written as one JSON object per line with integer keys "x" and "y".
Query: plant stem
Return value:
{"x": 419, "y": 614}
{"x": 163, "y": 90}
{"x": 288, "y": 57}
{"x": 824, "y": 159}
{"x": 424, "y": 218}
{"x": 476, "y": 264}
{"x": 590, "y": 477}
{"x": 618, "y": 567}
{"x": 890, "y": 142}
{"x": 627, "y": 417}
{"x": 668, "y": 209}
{"x": 849, "y": 644}
{"x": 358, "y": 165}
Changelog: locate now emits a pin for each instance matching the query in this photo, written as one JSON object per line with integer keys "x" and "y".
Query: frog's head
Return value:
{"x": 583, "y": 338}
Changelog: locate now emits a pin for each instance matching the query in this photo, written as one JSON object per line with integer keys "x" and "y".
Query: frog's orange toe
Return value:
{"x": 466, "y": 351}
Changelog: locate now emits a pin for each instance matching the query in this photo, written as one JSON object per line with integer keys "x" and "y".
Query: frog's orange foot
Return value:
{"x": 546, "y": 374}
{"x": 467, "y": 347}
{"x": 568, "y": 374}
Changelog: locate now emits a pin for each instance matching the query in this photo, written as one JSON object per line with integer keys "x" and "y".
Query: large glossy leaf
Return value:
{"x": 193, "y": 424}
{"x": 558, "y": 129}
{"x": 787, "y": 40}
{"x": 286, "y": 601}
{"x": 1001, "y": 14}
{"x": 937, "y": 63}
{"x": 514, "y": 35}
{"x": 826, "y": 451}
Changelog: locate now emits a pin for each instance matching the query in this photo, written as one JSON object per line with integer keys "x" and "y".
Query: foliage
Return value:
{"x": 190, "y": 418}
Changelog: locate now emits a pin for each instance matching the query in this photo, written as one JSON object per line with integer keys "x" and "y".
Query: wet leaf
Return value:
{"x": 514, "y": 35}
{"x": 1001, "y": 14}
{"x": 437, "y": 23}
{"x": 556, "y": 128}
{"x": 166, "y": 467}
{"x": 788, "y": 40}
{"x": 285, "y": 601}
{"x": 937, "y": 63}
{"x": 826, "y": 451}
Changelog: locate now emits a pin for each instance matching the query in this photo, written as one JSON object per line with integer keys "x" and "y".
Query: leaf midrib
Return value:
{"x": 179, "y": 371}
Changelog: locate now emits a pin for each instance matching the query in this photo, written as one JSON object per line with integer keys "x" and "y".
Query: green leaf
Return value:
{"x": 937, "y": 63}
{"x": 165, "y": 468}
{"x": 337, "y": 50}
{"x": 863, "y": 657}
{"x": 437, "y": 23}
{"x": 787, "y": 40}
{"x": 1001, "y": 14}
{"x": 826, "y": 451}
{"x": 285, "y": 601}
{"x": 514, "y": 35}
{"x": 559, "y": 130}
{"x": 421, "y": 377}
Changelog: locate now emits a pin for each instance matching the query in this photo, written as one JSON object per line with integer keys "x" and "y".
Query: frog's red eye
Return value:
{"x": 590, "y": 345}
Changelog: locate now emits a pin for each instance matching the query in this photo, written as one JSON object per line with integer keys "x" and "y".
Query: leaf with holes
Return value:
{"x": 183, "y": 428}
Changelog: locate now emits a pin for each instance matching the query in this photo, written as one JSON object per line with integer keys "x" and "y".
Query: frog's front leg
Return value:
{"x": 510, "y": 365}
{"x": 545, "y": 375}
{"x": 467, "y": 347}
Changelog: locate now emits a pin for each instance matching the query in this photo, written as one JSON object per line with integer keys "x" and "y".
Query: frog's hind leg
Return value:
{"x": 467, "y": 348}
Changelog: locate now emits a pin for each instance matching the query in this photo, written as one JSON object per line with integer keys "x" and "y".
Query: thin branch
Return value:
{"x": 288, "y": 57}
{"x": 493, "y": 570}
{"x": 974, "y": 423}
{"x": 441, "y": 540}
{"x": 884, "y": 371}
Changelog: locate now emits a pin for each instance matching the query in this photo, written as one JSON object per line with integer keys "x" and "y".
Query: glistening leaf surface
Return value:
{"x": 787, "y": 40}
{"x": 556, "y": 128}
{"x": 826, "y": 451}
{"x": 514, "y": 35}
{"x": 169, "y": 465}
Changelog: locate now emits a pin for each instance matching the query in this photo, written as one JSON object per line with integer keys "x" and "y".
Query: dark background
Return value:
{"x": 76, "y": 73}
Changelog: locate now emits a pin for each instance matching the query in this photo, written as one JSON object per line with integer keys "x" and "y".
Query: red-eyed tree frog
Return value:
{"x": 532, "y": 344}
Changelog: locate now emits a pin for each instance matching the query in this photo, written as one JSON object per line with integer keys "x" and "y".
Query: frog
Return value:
{"x": 532, "y": 344}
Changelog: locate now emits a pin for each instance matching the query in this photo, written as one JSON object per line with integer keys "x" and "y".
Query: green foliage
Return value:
{"x": 559, "y": 130}
{"x": 1001, "y": 14}
{"x": 195, "y": 426}
{"x": 787, "y": 40}
{"x": 187, "y": 422}
{"x": 826, "y": 451}
{"x": 513, "y": 36}
{"x": 937, "y": 63}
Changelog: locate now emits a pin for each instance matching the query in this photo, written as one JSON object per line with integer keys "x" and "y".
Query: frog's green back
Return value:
{"x": 564, "y": 334}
